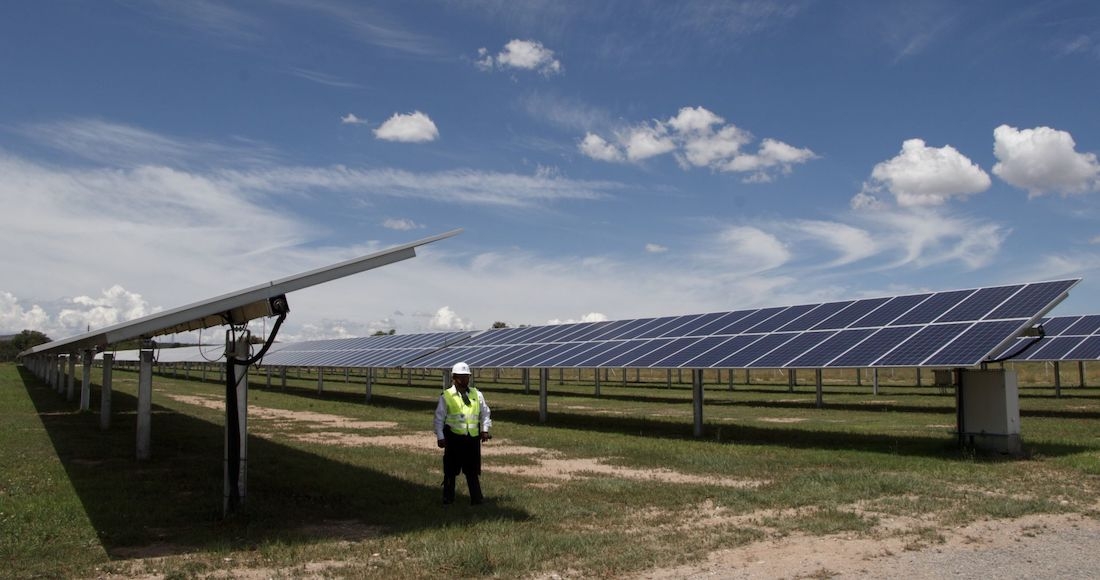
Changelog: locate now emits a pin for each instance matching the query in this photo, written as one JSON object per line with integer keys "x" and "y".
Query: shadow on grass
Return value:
{"x": 792, "y": 437}
{"x": 172, "y": 503}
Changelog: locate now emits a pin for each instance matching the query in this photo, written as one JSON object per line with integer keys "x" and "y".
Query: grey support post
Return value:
{"x": 1057, "y": 380}
{"x": 282, "y": 377}
{"x": 697, "y": 399}
{"x": 59, "y": 374}
{"x": 817, "y": 381}
{"x": 240, "y": 392}
{"x": 320, "y": 380}
{"x": 86, "y": 382}
{"x": 597, "y": 373}
{"x": 792, "y": 379}
{"x": 874, "y": 381}
{"x": 145, "y": 403}
{"x": 70, "y": 392}
{"x": 105, "y": 392}
{"x": 369, "y": 383}
{"x": 544, "y": 377}
{"x": 526, "y": 381}
{"x": 1081, "y": 372}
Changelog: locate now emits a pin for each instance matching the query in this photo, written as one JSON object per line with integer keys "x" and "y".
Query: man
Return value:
{"x": 461, "y": 424}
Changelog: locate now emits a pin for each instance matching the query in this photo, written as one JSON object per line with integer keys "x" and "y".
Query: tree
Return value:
{"x": 390, "y": 332}
{"x": 499, "y": 324}
{"x": 20, "y": 342}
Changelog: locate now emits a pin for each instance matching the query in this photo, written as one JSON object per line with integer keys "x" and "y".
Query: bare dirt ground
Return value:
{"x": 1038, "y": 546}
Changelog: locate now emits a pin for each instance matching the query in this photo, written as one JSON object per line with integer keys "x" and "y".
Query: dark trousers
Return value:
{"x": 462, "y": 455}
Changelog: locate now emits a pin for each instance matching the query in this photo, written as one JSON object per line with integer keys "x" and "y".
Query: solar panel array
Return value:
{"x": 386, "y": 351}
{"x": 1067, "y": 338}
{"x": 937, "y": 329}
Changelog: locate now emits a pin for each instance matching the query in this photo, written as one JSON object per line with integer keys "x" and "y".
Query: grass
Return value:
{"x": 75, "y": 502}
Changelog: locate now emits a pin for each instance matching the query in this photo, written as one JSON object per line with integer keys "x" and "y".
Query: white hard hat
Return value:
{"x": 460, "y": 369}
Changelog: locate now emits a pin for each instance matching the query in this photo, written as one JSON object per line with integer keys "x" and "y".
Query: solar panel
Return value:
{"x": 951, "y": 328}
{"x": 1066, "y": 338}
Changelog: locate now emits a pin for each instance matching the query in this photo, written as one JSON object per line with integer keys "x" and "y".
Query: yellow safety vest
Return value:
{"x": 462, "y": 418}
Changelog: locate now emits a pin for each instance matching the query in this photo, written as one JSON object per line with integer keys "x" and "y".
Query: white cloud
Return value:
{"x": 598, "y": 148}
{"x": 521, "y": 54}
{"x": 351, "y": 119}
{"x": 1043, "y": 160}
{"x": 655, "y": 249}
{"x": 446, "y": 319}
{"x": 747, "y": 249}
{"x": 401, "y": 224}
{"x": 1095, "y": 240}
{"x": 867, "y": 199}
{"x": 698, "y": 138}
{"x": 922, "y": 175}
{"x": 851, "y": 243}
{"x": 415, "y": 127}
{"x": 590, "y": 317}
{"x": 924, "y": 237}
{"x": 14, "y": 318}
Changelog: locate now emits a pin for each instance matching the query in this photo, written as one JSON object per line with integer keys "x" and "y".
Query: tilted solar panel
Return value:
{"x": 1066, "y": 338}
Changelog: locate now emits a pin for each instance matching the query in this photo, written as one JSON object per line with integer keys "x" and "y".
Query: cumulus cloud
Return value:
{"x": 14, "y": 317}
{"x": 351, "y": 119}
{"x": 851, "y": 243}
{"x": 401, "y": 224}
{"x": 655, "y": 249}
{"x": 598, "y": 148}
{"x": 521, "y": 54}
{"x": 415, "y": 127}
{"x": 1043, "y": 160}
{"x": 447, "y": 319}
{"x": 923, "y": 176}
{"x": 698, "y": 137}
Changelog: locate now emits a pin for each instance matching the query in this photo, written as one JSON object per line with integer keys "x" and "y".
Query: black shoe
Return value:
{"x": 448, "y": 501}
{"x": 477, "y": 501}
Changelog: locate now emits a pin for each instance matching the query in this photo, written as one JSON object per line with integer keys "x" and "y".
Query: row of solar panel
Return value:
{"x": 1067, "y": 338}
{"x": 997, "y": 303}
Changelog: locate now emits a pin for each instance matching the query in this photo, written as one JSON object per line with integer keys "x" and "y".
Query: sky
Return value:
{"x": 606, "y": 160}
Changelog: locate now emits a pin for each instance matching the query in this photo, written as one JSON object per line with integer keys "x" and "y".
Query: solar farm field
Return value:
{"x": 613, "y": 485}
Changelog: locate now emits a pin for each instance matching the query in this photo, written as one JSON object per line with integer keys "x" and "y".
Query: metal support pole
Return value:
{"x": 729, "y": 377}
{"x": 526, "y": 381}
{"x": 1057, "y": 380}
{"x": 874, "y": 384}
{"x": 918, "y": 376}
{"x": 267, "y": 372}
{"x": 70, "y": 380}
{"x": 817, "y": 381}
{"x": 697, "y": 400}
{"x": 792, "y": 378}
{"x": 320, "y": 380}
{"x": 561, "y": 376}
{"x": 624, "y": 377}
{"x": 347, "y": 377}
{"x": 368, "y": 383}
{"x": 59, "y": 375}
{"x": 1081, "y": 372}
{"x": 544, "y": 377}
{"x": 748, "y": 377}
{"x": 145, "y": 404}
{"x": 236, "y": 477}
{"x": 859, "y": 377}
{"x": 105, "y": 392}
{"x": 597, "y": 373}
{"x": 204, "y": 365}
{"x": 668, "y": 379}
{"x": 282, "y": 377}
{"x": 86, "y": 382}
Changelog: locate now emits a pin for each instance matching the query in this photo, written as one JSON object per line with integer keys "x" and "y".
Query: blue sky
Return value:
{"x": 607, "y": 160}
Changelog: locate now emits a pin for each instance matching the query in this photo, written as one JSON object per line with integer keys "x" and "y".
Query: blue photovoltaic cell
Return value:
{"x": 779, "y": 357}
{"x": 932, "y": 308}
{"x": 680, "y": 327}
{"x": 699, "y": 347}
{"x": 1029, "y": 301}
{"x": 593, "y": 358}
{"x": 979, "y": 304}
{"x": 766, "y": 344}
{"x": 540, "y": 334}
{"x": 721, "y": 322}
{"x": 672, "y": 346}
{"x": 599, "y": 328}
{"x": 574, "y": 349}
{"x": 815, "y": 316}
{"x": 867, "y": 352}
{"x": 616, "y": 332}
{"x": 1055, "y": 348}
{"x": 577, "y": 331}
{"x": 921, "y": 345}
{"x": 666, "y": 326}
{"x": 528, "y": 358}
{"x": 772, "y": 324}
{"x": 974, "y": 344}
{"x": 886, "y": 313}
{"x": 731, "y": 346}
{"x": 852, "y": 313}
{"x": 641, "y": 348}
{"x": 834, "y": 346}
{"x": 585, "y": 354}
{"x": 1087, "y": 325}
{"x": 693, "y": 328}
{"x": 1089, "y": 349}
{"x": 1058, "y": 325}
{"x": 498, "y": 353}
{"x": 751, "y": 320}
{"x": 640, "y": 330}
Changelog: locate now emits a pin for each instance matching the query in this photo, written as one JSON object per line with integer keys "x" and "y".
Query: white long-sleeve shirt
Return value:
{"x": 441, "y": 415}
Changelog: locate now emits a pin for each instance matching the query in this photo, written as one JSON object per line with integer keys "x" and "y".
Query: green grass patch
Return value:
{"x": 75, "y": 502}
